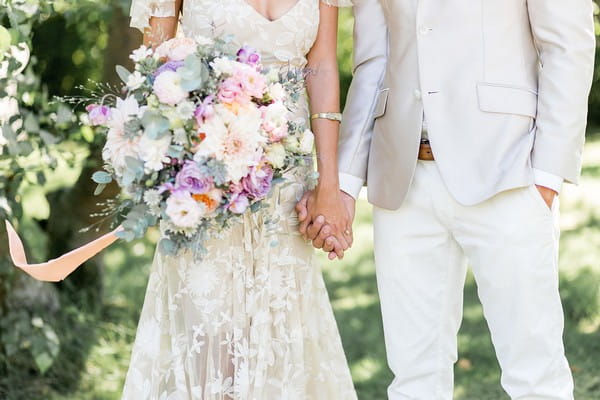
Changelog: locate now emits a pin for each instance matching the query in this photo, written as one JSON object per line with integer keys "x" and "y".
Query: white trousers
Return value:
{"x": 421, "y": 254}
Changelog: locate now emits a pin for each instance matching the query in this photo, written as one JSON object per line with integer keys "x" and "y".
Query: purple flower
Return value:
{"x": 192, "y": 179}
{"x": 257, "y": 183}
{"x": 204, "y": 110}
{"x": 98, "y": 114}
{"x": 248, "y": 55}
{"x": 168, "y": 66}
{"x": 238, "y": 204}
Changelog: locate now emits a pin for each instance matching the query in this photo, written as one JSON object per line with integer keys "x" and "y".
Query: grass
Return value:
{"x": 353, "y": 293}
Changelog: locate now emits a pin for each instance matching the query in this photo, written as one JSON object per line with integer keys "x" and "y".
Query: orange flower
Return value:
{"x": 210, "y": 202}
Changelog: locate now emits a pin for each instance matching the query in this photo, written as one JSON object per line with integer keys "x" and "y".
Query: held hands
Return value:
{"x": 326, "y": 217}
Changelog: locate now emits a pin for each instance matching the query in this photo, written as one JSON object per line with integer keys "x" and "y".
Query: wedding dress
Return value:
{"x": 252, "y": 320}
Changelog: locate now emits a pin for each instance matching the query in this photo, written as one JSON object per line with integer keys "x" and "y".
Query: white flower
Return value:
{"x": 135, "y": 80}
{"x": 117, "y": 148}
{"x": 123, "y": 110}
{"x": 152, "y": 197}
{"x": 21, "y": 54}
{"x": 140, "y": 53}
{"x": 276, "y": 121}
{"x": 3, "y": 69}
{"x": 292, "y": 144}
{"x": 154, "y": 151}
{"x": 177, "y": 49}
{"x": 183, "y": 210}
{"x": 186, "y": 109}
{"x": 203, "y": 40}
{"x": 237, "y": 143}
{"x": 273, "y": 75}
{"x": 172, "y": 115}
{"x": 276, "y": 155}
{"x": 167, "y": 87}
{"x": 307, "y": 141}
{"x": 277, "y": 92}
{"x": 179, "y": 136}
{"x": 9, "y": 106}
{"x": 223, "y": 66}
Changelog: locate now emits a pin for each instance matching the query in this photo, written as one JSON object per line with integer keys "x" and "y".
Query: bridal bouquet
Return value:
{"x": 199, "y": 134}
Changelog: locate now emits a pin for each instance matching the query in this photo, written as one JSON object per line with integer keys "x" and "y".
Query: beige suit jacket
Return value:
{"x": 503, "y": 85}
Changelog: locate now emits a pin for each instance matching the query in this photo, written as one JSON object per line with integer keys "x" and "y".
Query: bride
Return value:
{"x": 252, "y": 321}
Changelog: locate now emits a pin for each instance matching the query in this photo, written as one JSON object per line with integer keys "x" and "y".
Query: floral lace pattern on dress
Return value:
{"x": 252, "y": 320}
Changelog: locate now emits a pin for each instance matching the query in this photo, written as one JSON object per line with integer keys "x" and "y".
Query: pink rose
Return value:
{"x": 177, "y": 49}
{"x": 230, "y": 91}
{"x": 253, "y": 83}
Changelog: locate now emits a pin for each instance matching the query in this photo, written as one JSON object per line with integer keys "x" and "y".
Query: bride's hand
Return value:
{"x": 323, "y": 214}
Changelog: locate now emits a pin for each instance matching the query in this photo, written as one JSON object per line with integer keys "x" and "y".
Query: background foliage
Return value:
{"x": 72, "y": 340}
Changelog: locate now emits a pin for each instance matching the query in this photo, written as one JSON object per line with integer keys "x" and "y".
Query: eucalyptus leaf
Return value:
{"x": 102, "y": 177}
{"x": 25, "y": 148}
{"x": 48, "y": 138}
{"x": 30, "y": 124}
{"x": 192, "y": 73}
{"x": 11, "y": 138}
{"x": 167, "y": 246}
{"x": 136, "y": 165}
{"x": 128, "y": 236}
{"x": 99, "y": 189}
{"x": 175, "y": 151}
{"x": 64, "y": 114}
{"x": 155, "y": 125}
{"x": 123, "y": 73}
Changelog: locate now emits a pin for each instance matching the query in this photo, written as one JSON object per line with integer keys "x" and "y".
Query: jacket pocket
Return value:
{"x": 507, "y": 99}
{"x": 381, "y": 105}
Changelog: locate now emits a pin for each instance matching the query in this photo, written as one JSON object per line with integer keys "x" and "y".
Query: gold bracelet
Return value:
{"x": 328, "y": 115}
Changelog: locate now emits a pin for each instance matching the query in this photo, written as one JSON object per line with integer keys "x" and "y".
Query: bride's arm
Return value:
{"x": 162, "y": 28}
{"x": 323, "y": 90}
{"x": 156, "y": 19}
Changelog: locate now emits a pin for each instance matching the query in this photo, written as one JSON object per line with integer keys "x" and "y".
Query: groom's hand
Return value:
{"x": 350, "y": 204}
{"x": 547, "y": 194}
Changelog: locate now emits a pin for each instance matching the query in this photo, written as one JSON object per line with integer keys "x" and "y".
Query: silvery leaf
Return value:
{"x": 167, "y": 246}
{"x": 155, "y": 125}
{"x": 125, "y": 235}
{"x": 31, "y": 125}
{"x": 123, "y": 73}
{"x": 99, "y": 189}
{"x": 48, "y": 138}
{"x": 175, "y": 151}
{"x": 101, "y": 177}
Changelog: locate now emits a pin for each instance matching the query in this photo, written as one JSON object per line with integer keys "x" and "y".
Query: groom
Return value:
{"x": 477, "y": 118}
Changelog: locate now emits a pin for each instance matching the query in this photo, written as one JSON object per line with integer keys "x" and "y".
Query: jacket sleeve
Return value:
{"x": 563, "y": 31}
{"x": 370, "y": 56}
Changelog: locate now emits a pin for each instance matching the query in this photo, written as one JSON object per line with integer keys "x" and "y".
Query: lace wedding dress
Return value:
{"x": 252, "y": 321}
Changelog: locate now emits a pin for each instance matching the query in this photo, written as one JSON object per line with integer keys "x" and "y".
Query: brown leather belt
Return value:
{"x": 425, "y": 152}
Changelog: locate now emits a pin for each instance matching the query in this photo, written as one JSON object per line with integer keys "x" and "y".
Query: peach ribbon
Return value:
{"x": 59, "y": 268}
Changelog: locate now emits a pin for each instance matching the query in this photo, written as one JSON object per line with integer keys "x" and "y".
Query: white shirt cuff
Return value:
{"x": 546, "y": 179}
{"x": 351, "y": 184}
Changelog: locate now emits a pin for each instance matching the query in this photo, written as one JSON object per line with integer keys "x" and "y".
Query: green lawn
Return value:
{"x": 353, "y": 292}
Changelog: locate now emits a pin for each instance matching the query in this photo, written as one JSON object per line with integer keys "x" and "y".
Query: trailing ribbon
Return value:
{"x": 59, "y": 268}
